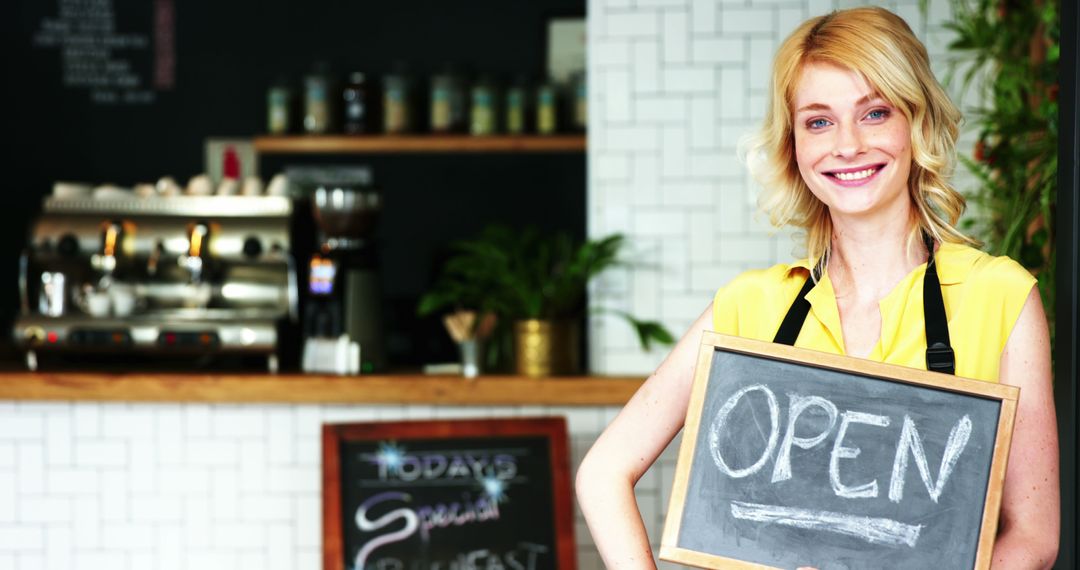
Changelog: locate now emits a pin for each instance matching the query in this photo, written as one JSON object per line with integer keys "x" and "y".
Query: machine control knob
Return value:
{"x": 253, "y": 246}
{"x": 68, "y": 245}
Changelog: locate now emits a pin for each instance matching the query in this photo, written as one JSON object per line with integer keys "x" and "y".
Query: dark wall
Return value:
{"x": 227, "y": 53}
{"x": 1067, "y": 370}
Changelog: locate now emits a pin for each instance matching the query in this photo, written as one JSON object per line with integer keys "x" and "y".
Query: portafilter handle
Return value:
{"x": 105, "y": 262}
{"x": 198, "y": 246}
{"x": 154, "y": 259}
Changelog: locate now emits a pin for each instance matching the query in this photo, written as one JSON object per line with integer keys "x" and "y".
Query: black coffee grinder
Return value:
{"x": 343, "y": 293}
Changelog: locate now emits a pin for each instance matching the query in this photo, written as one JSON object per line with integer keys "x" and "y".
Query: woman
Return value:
{"x": 858, "y": 143}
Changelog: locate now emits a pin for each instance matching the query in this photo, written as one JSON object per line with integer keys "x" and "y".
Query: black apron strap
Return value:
{"x": 796, "y": 316}
{"x": 939, "y": 353}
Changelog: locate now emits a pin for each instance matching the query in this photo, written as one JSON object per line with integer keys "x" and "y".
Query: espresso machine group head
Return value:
{"x": 176, "y": 275}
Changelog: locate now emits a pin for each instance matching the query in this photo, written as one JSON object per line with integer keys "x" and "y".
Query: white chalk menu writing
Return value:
{"x": 118, "y": 55}
{"x": 804, "y": 466}
{"x": 435, "y": 504}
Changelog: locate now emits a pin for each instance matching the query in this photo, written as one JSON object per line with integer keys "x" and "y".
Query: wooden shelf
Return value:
{"x": 304, "y": 388}
{"x": 381, "y": 144}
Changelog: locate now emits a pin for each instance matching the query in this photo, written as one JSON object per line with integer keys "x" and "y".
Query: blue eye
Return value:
{"x": 817, "y": 124}
{"x": 878, "y": 114}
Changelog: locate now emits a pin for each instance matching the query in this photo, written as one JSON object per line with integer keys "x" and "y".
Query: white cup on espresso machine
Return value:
{"x": 52, "y": 297}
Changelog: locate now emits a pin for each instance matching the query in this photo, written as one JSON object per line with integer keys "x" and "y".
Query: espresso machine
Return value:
{"x": 342, "y": 315}
{"x": 180, "y": 276}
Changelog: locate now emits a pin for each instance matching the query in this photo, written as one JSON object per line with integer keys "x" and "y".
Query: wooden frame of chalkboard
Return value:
{"x": 501, "y": 434}
{"x": 786, "y": 525}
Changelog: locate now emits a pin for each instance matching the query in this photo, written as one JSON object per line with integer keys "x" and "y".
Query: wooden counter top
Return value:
{"x": 425, "y": 143}
{"x": 306, "y": 388}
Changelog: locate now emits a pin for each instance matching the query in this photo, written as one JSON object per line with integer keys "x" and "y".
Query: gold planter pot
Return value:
{"x": 546, "y": 348}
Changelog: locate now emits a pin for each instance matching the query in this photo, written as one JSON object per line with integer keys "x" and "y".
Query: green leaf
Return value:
{"x": 649, "y": 332}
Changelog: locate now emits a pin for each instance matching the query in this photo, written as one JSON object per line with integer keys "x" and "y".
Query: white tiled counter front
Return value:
{"x": 148, "y": 471}
{"x": 202, "y": 486}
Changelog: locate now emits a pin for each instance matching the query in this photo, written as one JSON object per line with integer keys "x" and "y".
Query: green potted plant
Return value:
{"x": 536, "y": 283}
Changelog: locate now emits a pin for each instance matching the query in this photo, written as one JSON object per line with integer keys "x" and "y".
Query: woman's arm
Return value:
{"x": 628, "y": 447}
{"x": 1030, "y": 505}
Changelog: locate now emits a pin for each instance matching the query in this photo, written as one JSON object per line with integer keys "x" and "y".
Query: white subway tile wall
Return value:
{"x": 193, "y": 486}
{"x": 675, "y": 84}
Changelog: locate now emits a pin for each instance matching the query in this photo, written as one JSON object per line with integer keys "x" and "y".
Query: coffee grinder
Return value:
{"x": 343, "y": 293}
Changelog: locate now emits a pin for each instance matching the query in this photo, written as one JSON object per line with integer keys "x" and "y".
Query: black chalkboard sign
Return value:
{"x": 447, "y": 494}
{"x": 792, "y": 457}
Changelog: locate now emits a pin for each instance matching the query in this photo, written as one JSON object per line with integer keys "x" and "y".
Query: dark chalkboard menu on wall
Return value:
{"x": 792, "y": 457}
{"x": 120, "y": 55}
{"x": 462, "y": 494}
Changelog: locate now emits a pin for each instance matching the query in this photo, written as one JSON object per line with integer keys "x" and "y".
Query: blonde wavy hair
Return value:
{"x": 881, "y": 47}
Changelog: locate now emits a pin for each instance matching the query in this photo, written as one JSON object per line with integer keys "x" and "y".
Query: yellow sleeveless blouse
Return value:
{"x": 983, "y": 298}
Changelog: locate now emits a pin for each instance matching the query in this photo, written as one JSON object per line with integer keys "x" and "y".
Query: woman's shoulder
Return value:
{"x": 979, "y": 271}
{"x": 778, "y": 275}
{"x": 984, "y": 296}
{"x": 749, "y": 303}
{"x": 765, "y": 283}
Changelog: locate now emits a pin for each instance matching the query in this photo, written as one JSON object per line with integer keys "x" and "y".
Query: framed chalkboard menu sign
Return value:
{"x": 792, "y": 458}
{"x": 415, "y": 495}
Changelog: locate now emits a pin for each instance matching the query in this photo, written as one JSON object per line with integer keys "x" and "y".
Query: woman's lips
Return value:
{"x": 854, "y": 176}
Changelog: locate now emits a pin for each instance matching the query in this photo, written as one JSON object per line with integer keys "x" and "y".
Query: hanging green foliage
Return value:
{"x": 1010, "y": 50}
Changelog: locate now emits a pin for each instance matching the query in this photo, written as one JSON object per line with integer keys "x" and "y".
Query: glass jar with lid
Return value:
{"x": 547, "y": 96}
{"x": 516, "y": 106}
{"x": 279, "y": 99}
{"x": 397, "y": 93}
{"x": 483, "y": 115}
{"x": 579, "y": 87}
{"x": 448, "y": 109}
{"x": 318, "y": 105}
{"x": 354, "y": 99}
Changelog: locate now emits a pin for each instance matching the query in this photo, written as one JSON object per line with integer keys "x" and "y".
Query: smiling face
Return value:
{"x": 853, "y": 148}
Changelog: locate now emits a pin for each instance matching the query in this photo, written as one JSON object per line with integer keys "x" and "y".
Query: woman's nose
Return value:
{"x": 848, "y": 142}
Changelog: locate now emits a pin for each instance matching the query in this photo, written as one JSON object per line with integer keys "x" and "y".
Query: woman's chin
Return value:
{"x": 869, "y": 207}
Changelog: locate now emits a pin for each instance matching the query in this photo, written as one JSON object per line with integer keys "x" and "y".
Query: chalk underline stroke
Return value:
{"x": 870, "y": 529}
